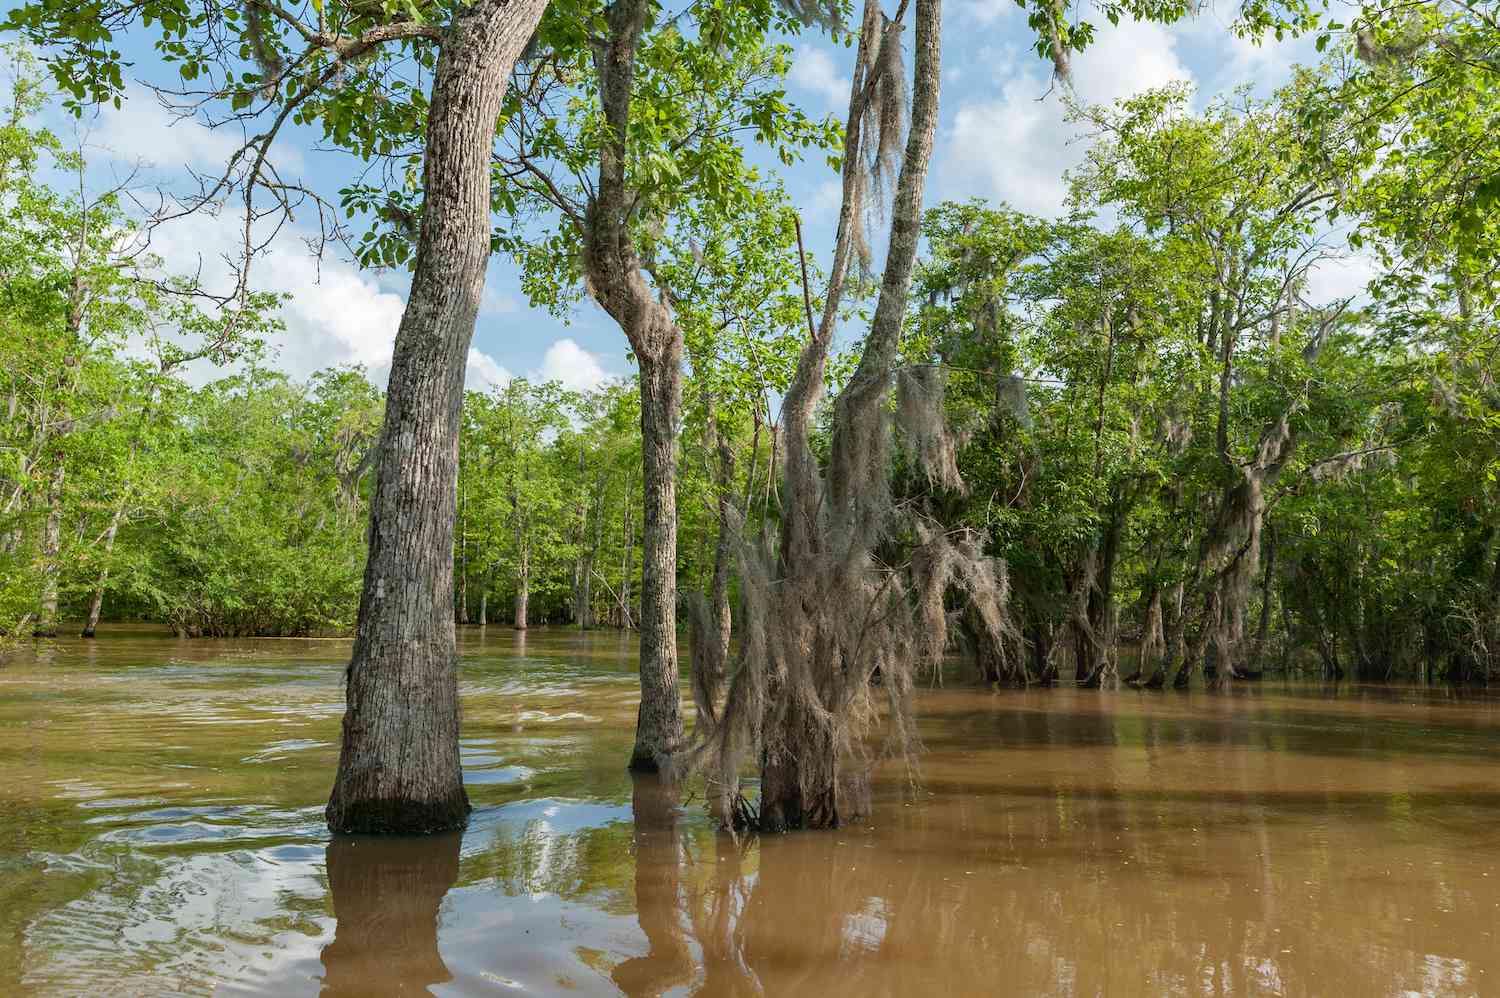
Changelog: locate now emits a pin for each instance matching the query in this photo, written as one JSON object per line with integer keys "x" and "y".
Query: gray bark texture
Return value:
{"x": 46, "y": 621}
{"x": 96, "y": 605}
{"x": 615, "y": 273}
{"x": 399, "y": 769}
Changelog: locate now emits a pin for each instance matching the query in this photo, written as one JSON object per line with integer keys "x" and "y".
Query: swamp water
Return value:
{"x": 161, "y": 833}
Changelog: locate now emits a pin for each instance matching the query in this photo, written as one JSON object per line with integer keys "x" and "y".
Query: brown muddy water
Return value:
{"x": 161, "y": 833}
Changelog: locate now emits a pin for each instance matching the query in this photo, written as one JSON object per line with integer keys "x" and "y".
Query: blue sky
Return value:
{"x": 1002, "y": 136}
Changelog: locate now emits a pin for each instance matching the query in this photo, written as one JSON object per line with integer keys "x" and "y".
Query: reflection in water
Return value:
{"x": 160, "y": 831}
{"x": 659, "y": 858}
{"x": 386, "y": 894}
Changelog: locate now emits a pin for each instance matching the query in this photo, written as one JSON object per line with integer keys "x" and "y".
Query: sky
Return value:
{"x": 1002, "y": 137}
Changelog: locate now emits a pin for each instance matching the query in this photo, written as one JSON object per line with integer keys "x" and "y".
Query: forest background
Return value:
{"x": 1293, "y": 280}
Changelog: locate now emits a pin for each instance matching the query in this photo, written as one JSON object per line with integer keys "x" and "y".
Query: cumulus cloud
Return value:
{"x": 143, "y": 132}
{"x": 814, "y": 70}
{"x": 571, "y": 364}
{"x": 986, "y": 11}
{"x": 1015, "y": 146}
{"x": 484, "y": 372}
{"x": 334, "y": 313}
{"x": 1230, "y": 60}
{"x": 496, "y": 302}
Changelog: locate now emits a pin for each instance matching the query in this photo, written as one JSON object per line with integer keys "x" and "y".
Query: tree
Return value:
{"x": 667, "y": 105}
{"x": 398, "y": 763}
{"x": 517, "y": 486}
{"x": 80, "y": 286}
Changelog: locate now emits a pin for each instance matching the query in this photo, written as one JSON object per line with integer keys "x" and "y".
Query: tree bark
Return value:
{"x": 523, "y": 579}
{"x": 96, "y": 605}
{"x": 800, "y": 788}
{"x": 46, "y": 621}
{"x": 658, "y": 731}
{"x": 723, "y": 550}
{"x": 399, "y": 769}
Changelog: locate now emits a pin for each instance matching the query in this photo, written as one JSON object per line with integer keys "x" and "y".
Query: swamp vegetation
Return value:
{"x": 1147, "y": 441}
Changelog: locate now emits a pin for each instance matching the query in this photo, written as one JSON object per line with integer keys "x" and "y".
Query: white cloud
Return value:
{"x": 815, "y": 71}
{"x": 571, "y": 364}
{"x": 334, "y": 313}
{"x": 1231, "y": 60}
{"x": 484, "y": 372}
{"x": 1016, "y": 146}
{"x": 143, "y": 132}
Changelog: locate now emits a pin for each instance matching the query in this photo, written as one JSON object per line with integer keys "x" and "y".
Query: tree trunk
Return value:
{"x": 723, "y": 552}
{"x": 800, "y": 766}
{"x": 615, "y": 273}
{"x": 96, "y": 605}
{"x": 1263, "y": 627}
{"x": 46, "y": 621}
{"x": 712, "y": 622}
{"x": 1095, "y": 633}
{"x": 399, "y": 769}
{"x": 658, "y": 732}
{"x": 799, "y": 788}
{"x": 523, "y": 580}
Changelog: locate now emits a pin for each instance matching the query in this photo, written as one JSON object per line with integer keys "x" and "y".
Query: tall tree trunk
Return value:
{"x": 399, "y": 769}
{"x": 1103, "y": 653}
{"x": 1263, "y": 627}
{"x": 800, "y": 789}
{"x": 615, "y": 273}
{"x": 658, "y": 730}
{"x": 523, "y": 578}
{"x": 96, "y": 605}
{"x": 627, "y": 560}
{"x": 711, "y": 629}
{"x": 724, "y": 549}
{"x": 46, "y": 621}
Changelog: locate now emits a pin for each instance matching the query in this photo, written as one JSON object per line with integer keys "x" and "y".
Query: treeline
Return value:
{"x": 1187, "y": 457}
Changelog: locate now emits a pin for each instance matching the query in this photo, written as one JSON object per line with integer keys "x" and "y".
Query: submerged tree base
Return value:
{"x": 399, "y": 816}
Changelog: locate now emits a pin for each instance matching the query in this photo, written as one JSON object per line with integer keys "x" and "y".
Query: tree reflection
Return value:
{"x": 1050, "y": 890}
{"x": 386, "y": 894}
{"x": 658, "y": 892}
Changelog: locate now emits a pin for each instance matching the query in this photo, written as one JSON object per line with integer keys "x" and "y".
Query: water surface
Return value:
{"x": 161, "y": 833}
